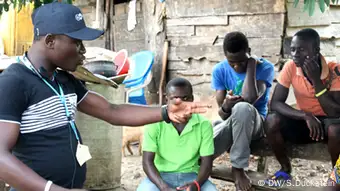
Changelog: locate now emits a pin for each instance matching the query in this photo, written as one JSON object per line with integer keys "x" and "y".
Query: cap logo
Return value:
{"x": 79, "y": 17}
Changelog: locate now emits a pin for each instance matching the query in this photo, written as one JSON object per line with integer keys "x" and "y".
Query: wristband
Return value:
{"x": 321, "y": 92}
{"x": 48, "y": 185}
{"x": 165, "y": 114}
{"x": 197, "y": 185}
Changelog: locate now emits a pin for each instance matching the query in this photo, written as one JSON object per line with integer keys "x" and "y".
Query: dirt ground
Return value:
{"x": 303, "y": 170}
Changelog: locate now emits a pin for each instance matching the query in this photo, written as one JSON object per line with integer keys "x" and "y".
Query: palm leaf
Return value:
{"x": 305, "y": 6}
{"x": 296, "y": 2}
{"x": 322, "y": 5}
{"x": 327, "y": 2}
{"x": 311, "y": 7}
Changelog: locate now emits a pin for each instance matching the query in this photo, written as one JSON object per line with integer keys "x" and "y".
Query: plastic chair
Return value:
{"x": 140, "y": 75}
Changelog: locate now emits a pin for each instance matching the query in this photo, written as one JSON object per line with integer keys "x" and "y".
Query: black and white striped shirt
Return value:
{"x": 46, "y": 142}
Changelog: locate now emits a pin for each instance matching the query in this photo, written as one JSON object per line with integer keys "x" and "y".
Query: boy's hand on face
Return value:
{"x": 312, "y": 69}
{"x": 251, "y": 61}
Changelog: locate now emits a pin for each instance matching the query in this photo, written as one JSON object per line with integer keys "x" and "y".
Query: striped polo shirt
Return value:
{"x": 46, "y": 142}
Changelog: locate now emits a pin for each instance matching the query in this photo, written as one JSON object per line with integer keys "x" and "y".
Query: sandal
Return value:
{"x": 278, "y": 179}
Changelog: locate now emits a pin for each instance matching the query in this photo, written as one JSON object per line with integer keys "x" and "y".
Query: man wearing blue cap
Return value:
{"x": 39, "y": 104}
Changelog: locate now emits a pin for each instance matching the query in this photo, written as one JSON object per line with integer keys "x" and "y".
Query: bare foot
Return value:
{"x": 242, "y": 181}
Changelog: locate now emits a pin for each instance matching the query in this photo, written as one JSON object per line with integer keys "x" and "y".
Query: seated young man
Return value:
{"x": 316, "y": 85}
{"x": 242, "y": 111}
{"x": 171, "y": 151}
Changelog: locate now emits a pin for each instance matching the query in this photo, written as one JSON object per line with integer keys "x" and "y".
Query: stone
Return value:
{"x": 312, "y": 174}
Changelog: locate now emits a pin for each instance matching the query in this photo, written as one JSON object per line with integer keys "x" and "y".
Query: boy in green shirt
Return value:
{"x": 171, "y": 150}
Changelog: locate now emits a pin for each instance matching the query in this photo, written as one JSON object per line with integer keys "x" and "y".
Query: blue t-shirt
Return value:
{"x": 224, "y": 77}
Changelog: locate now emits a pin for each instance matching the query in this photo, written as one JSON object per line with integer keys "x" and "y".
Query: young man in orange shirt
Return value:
{"x": 316, "y": 85}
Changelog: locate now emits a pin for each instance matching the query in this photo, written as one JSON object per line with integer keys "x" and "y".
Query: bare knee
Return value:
{"x": 334, "y": 131}
{"x": 272, "y": 122}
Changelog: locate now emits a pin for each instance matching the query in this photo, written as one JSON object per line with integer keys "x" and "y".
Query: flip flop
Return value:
{"x": 278, "y": 179}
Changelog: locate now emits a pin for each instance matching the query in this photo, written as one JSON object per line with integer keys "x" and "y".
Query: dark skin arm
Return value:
{"x": 220, "y": 97}
{"x": 152, "y": 172}
{"x": 205, "y": 169}
{"x": 97, "y": 106}
{"x": 252, "y": 89}
{"x": 278, "y": 104}
{"x": 13, "y": 171}
{"x": 328, "y": 99}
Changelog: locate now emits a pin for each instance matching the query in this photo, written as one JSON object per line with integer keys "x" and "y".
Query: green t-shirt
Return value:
{"x": 179, "y": 153}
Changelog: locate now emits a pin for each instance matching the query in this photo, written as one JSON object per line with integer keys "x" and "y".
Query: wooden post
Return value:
{"x": 262, "y": 165}
{"x": 153, "y": 12}
{"x": 107, "y": 24}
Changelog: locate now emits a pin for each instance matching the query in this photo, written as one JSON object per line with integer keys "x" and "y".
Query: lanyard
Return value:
{"x": 61, "y": 96}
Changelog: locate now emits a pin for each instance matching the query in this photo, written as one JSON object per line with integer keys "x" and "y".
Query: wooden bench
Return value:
{"x": 315, "y": 151}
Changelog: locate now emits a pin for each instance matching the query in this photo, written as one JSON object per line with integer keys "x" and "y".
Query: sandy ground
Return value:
{"x": 306, "y": 171}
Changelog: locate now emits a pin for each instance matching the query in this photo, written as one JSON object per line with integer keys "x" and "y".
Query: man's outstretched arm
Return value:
{"x": 136, "y": 115}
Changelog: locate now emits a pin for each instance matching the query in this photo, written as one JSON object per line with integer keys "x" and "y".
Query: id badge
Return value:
{"x": 83, "y": 154}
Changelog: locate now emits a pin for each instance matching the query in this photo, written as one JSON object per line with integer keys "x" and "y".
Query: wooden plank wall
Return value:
{"x": 196, "y": 29}
{"x": 327, "y": 24}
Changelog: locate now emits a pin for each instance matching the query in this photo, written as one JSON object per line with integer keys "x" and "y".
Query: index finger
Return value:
{"x": 200, "y": 105}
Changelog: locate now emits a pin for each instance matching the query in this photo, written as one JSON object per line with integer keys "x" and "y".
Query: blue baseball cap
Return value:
{"x": 62, "y": 19}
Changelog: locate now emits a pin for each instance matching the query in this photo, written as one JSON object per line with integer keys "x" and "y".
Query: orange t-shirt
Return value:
{"x": 304, "y": 92}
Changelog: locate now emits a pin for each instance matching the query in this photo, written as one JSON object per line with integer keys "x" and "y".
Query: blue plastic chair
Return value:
{"x": 139, "y": 77}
